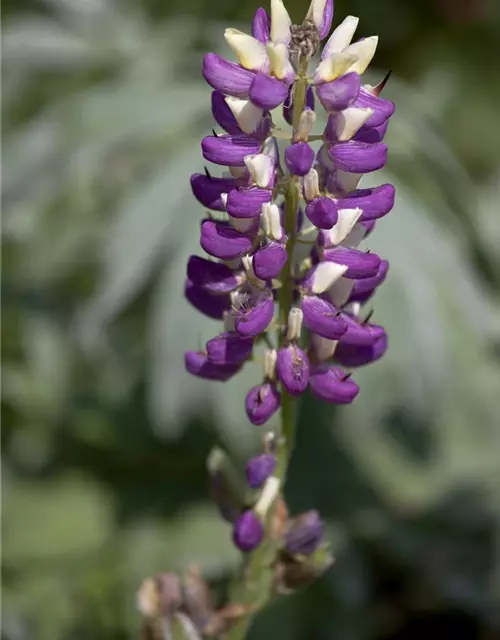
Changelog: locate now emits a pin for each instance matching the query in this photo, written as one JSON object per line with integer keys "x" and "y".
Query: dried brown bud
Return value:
{"x": 197, "y": 598}
{"x": 160, "y": 596}
{"x": 305, "y": 39}
{"x": 293, "y": 572}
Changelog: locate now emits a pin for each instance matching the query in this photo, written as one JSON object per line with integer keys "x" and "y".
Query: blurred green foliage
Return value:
{"x": 105, "y": 437}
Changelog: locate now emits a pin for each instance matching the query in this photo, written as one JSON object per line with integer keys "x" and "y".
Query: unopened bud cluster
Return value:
{"x": 252, "y": 247}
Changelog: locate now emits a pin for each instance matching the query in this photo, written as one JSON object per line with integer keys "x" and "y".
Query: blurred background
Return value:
{"x": 105, "y": 437}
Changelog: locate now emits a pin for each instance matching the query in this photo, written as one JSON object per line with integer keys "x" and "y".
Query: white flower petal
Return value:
{"x": 294, "y": 326}
{"x": 355, "y": 236}
{"x": 261, "y": 167}
{"x": 247, "y": 114}
{"x": 271, "y": 221}
{"x": 306, "y": 123}
{"x": 348, "y": 181}
{"x": 279, "y": 63}
{"x": 237, "y": 172}
{"x": 340, "y": 292}
{"x": 345, "y": 224}
{"x": 323, "y": 348}
{"x": 251, "y": 53}
{"x": 334, "y": 66}
{"x": 341, "y": 37}
{"x": 349, "y": 121}
{"x": 311, "y": 185}
{"x": 326, "y": 275}
{"x": 364, "y": 50}
{"x": 280, "y": 22}
{"x": 270, "y": 357}
{"x": 241, "y": 224}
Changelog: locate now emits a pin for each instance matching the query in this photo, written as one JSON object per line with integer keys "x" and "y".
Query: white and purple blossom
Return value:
{"x": 307, "y": 310}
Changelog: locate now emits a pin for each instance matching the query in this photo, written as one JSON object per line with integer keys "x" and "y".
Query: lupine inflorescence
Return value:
{"x": 255, "y": 271}
{"x": 284, "y": 266}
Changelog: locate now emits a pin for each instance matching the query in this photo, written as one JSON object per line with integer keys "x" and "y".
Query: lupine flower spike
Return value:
{"x": 308, "y": 311}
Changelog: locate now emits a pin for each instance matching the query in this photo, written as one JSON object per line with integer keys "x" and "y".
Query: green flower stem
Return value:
{"x": 254, "y": 589}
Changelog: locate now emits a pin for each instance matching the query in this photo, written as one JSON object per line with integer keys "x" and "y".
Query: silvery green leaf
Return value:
{"x": 437, "y": 317}
{"x": 145, "y": 228}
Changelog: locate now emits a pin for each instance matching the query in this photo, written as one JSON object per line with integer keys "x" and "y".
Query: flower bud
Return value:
{"x": 322, "y": 212}
{"x": 304, "y": 534}
{"x": 248, "y": 532}
{"x": 259, "y": 469}
{"x": 299, "y": 158}
{"x": 160, "y": 596}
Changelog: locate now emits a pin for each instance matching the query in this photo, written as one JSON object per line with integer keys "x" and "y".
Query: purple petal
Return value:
{"x": 261, "y": 403}
{"x": 248, "y": 531}
{"x": 322, "y": 317}
{"x": 269, "y": 260}
{"x": 371, "y": 134}
{"x": 210, "y": 305}
{"x": 358, "y": 355}
{"x": 220, "y": 240}
{"x": 322, "y": 212}
{"x": 259, "y": 468}
{"x": 304, "y": 534}
{"x": 299, "y": 158}
{"x": 364, "y": 288}
{"x": 267, "y": 92}
{"x": 247, "y": 203}
{"x": 208, "y": 190}
{"x": 358, "y": 157}
{"x": 288, "y": 105}
{"x": 292, "y": 369}
{"x": 198, "y": 364}
{"x": 339, "y": 93}
{"x": 326, "y": 20}
{"x": 213, "y": 277}
{"x": 382, "y": 109}
{"x": 223, "y": 114}
{"x": 359, "y": 333}
{"x": 255, "y": 319}
{"x": 359, "y": 263}
{"x": 261, "y": 26}
{"x": 227, "y": 77}
{"x": 228, "y": 349}
{"x": 230, "y": 150}
{"x": 330, "y": 384}
{"x": 374, "y": 202}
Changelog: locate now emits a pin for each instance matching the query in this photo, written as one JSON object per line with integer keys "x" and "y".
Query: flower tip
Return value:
{"x": 248, "y": 532}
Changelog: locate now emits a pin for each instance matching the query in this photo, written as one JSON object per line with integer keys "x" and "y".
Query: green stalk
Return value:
{"x": 254, "y": 589}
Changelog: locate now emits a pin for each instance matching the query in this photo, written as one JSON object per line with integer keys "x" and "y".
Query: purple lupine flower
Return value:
{"x": 262, "y": 402}
{"x": 269, "y": 260}
{"x": 259, "y": 468}
{"x": 305, "y": 533}
{"x": 208, "y": 191}
{"x": 323, "y": 318}
{"x": 332, "y": 385}
{"x": 228, "y": 348}
{"x": 299, "y": 158}
{"x": 198, "y": 364}
{"x": 254, "y": 316}
{"x": 248, "y": 531}
{"x": 292, "y": 369}
{"x": 210, "y": 305}
{"x": 213, "y": 277}
{"x": 252, "y": 241}
{"x": 350, "y": 355}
